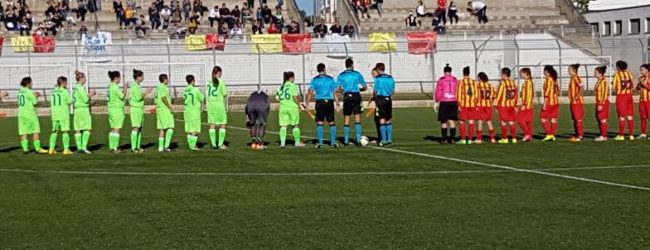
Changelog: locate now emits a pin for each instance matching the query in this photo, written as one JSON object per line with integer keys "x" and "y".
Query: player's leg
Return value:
{"x": 24, "y": 143}
{"x": 504, "y": 131}
{"x": 358, "y": 128}
{"x": 346, "y": 128}
{"x": 65, "y": 136}
{"x": 320, "y": 118}
{"x": 630, "y": 126}
{"x": 479, "y": 132}
{"x": 169, "y": 129}
{"x": 513, "y": 131}
{"x": 444, "y": 130}
{"x": 56, "y": 128}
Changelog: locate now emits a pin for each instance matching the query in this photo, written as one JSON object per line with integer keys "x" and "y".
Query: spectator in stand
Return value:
{"x": 246, "y": 15}
{"x": 193, "y": 23}
{"x": 214, "y": 15}
{"x": 236, "y": 15}
{"x": 132, "y": 4}
{"x": 141, "y": 25}
{"x": 187, "y": 9}
{"x": 165, "y": 16}
{"x": 379, "y": 5}
{"x": 154, "y": 16}
{"x": 257, "y": 28}
{"x": 348, "y": 29}
{"x": 364, "y": 6}
{"x": 223, "y": 30}
{"x": 250, "y": 4}
{"x": 321, "y": 29}
{"x": 224, "y": 12}
{"x": 82, "y": 31}
{"x": 293, "y": 28}
{"x": 412, "y": 20}
{"x": 278, "y": 18}
{"x": 177, "y": 13}
{"x": 266, "y": 14}
{"x": 441, "y": 11}
{"x": 197, "y": 7}
{"x": 117, "y": 8}
{"x": 336, "y": 28}
{"x": 478, "y": 9}
{"x": 280, "y": 4}
{"x": 273, "y": 29}
{"x": 236, "y": 32}
{"x": 82, "y": 10}
{"x": 24, "y": 26}
{"x": 262, "y": 3}
{"x": 258, "y": 15}
{"x": 452, "y": 13}
{"x": 421, "y": 11}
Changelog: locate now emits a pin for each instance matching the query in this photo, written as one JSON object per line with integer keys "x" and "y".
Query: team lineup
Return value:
{"x": 468, "y": 101}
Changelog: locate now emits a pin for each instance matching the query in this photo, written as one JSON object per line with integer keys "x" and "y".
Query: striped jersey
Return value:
{"x": 575, "y": 93}
{"x": 602, "y": 91}
{"x": 486, "y": 95}
{"x": 645, "y": 92}
{"x": 466, "y": 93}
{"x": 527, "y": 94}
{"x": 507, "y": 94}
{"x": 622, "y": 83}
{"x": 551, "y": 92}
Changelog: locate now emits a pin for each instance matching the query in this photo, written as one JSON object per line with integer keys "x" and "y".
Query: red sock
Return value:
{"x": 581, "y": 128}
{"x": 523, "y": 126}
{"x": 603, "y": 129}
{"x": 513, "y": 131}
{"x": 462, "y": 130}
{"x": 553, "y": 128}
{"x": 504, "y": 131}
{"x": 547, "y": 127}
{"x": 491, "y": 134}
{"x": 529, "y": 130}
{"x": 630, "y": 127}
{"x": 621, "y": 128}
{"x": 471, "y": 130}
{"x": 644, "y": 126}
{"x": 479, "y": 134}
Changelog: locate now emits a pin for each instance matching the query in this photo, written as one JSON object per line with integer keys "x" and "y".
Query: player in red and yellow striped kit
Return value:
{"x": 601, "y": 90}
{"x": 483, "y": 113}
{"x": 506, "y": 105}
{"x": 577, "y": 103}
{"x": 466, "y": 94}
{"x": 551, "y": 107}
{"x": 623, "y": 83}
{"x": 525, "y": 111}
{"x": 644, "y": 99}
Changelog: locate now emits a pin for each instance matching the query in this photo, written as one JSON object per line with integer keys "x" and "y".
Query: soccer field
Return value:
{"x": 415, "y": 194}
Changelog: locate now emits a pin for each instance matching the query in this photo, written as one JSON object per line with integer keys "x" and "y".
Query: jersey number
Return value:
{"x": 627, "y": 84}
{"x": 284, "y": 95}
{"x": 485, "y": 94}
{"x": 510, "y": 94}
{"x": 21, "y": 100}
{"x": 189, "y": 97}
{"x": 56, "y": 99}
{"x": 213, "y": 91}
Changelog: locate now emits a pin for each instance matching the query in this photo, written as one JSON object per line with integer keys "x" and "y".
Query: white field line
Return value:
{"x": 262, "y": 174}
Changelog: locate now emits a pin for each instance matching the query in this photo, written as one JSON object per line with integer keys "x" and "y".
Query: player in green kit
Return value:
{"x": 136, "y": 112}
{"x": 115, "y": 98}
{"x": 164, "y": 114}
{"x": 288, "y": 95}
{"x": 27, "y": 117}
{"x": 60, "y": 111}
{"x": 82, "y": 120}
{"x": 193, "y": 101}
{"x": 217, "y": 94}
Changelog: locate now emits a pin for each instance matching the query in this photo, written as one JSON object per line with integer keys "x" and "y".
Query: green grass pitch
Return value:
{"x": 329, "y": 198}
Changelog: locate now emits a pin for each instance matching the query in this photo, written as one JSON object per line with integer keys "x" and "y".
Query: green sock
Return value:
{"x": 37, "y": 145}
{"x": 283, "y": 136}
{"x": 296, "y": 135}
{"x": 161, "y": 143}
{"x": 110, "y": 140}
{"x": 53, "y": 141}
{"x": 115, "y": 138}
{"x": 168, "y": 137}
{"x": 213, "y": 137}
{"x": 66, "y": 140}
{"x": 134, "y": 140}
{"x": 84, "y": 140}
{"x": 194, "y": 139}
{"x": 25, "y": 145}
{"x": 140, "y": 139}
{"x": 222, "y": 136}
{"x": 78, "y": 141}
{"x": 189, "y": 141}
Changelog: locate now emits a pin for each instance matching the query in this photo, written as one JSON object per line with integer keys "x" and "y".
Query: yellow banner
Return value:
{"x": 267, "y": 43}
{"x": 382, "y": 42}
{"x": 195, "y": 42}
{"x": 22, "y": 44}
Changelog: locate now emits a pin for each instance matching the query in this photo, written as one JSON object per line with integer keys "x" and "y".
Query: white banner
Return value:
{"x": 336, "y": 45}
{"x": 95, "y": 46}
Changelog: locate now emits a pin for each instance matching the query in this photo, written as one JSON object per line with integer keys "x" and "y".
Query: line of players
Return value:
{"x": 324, "y": 88}
{"x": 469, "y": 101}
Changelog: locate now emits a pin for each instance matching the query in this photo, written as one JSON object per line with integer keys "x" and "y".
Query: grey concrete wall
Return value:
{"x": 624, "y": 15}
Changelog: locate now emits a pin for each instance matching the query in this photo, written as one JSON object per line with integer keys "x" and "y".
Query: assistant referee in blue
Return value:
{"x": 324, "y": 87}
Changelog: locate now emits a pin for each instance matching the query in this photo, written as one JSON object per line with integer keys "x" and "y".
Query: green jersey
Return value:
{"x": 216, "y": 94}
{"x": 80, "y": 97}
{"x": 26, "y": 102}
{"x": 59, "y": 104}
{"x": 162, "y": 90}
{"x": 286, "y": 95}
{"x": 115, "y": 96}
{"x": 136, "y": 98}
{"x": 193, "y": 100}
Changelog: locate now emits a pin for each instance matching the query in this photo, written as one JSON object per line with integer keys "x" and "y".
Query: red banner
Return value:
{"x": 2, "y": 41}
{"x": 214, "y": 41}
{"x": 421, "y": 42}
{"x": 296, "y": 43}
{"x": 43, "y": 44}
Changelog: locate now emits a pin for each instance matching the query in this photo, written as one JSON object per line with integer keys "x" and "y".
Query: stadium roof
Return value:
{"x": 601, "y": 5}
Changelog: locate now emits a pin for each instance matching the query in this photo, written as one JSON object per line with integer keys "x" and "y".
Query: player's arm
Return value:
{"x": 147, "y": 92}
{"x": 4, "y": 94}
{"x": 580, "y": 90}
{"x": 362, "y": 82}
{"x": 123, "y": 93}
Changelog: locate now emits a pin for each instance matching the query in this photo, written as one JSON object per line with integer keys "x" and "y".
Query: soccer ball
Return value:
{"x": 364, "y": 141}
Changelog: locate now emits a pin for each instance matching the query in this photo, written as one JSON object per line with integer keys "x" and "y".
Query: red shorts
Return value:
{"x": 466, "y": 113}
{"x": 551, "y": 112}
{"x": 508, "y": 114}
{"x": 603, "y": 114}
{"x": 525, "y": 115}
{"x": 644, "y": 110}
{"x": 577, "y": 111}
{"x": 624, "y": 105}
{"x": 483, "y": 113}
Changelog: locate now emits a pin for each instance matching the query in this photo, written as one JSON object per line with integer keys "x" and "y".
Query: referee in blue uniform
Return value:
{"x": 384, "y": 90}
{"x": 351, "y": 83}
{"x": 324, "y": 87}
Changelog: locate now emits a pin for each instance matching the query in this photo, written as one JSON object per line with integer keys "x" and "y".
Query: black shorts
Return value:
{"x": 448, "y": 111}
{"x": 325, "y": 110}
{"x": 384, "y": 107}
{"x": 351, "y": 103}
{"x": 258, "y": 115}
